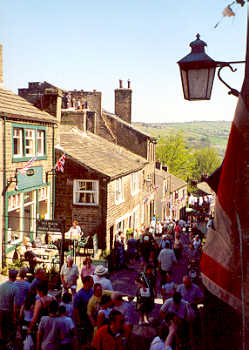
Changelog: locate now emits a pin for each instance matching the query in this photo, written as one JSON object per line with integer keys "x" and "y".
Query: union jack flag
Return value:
{"x": 28, "y": 165}
{"x": 223, "y": 258}
{"x": 59, "y": 166}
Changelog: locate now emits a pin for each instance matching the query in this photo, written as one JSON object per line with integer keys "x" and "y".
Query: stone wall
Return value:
{"x": 127, "y": 137}
{"x": 123, "y": 210}
{"x": 90, "y": 218}
{"x": 43, "y": 96}
{"x": 123, "y": 104}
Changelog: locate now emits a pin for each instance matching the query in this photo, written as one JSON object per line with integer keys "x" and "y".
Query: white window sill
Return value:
{"x": 135, "y": 193}
{"x": 87, "y": 204}
{"x": 119, "y": 202}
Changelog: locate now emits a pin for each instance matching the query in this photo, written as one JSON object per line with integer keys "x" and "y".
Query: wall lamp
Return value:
{"x": 198, "y": 70}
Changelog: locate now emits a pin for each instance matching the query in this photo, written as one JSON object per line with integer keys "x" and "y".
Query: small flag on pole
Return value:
{"x": 59, "y": 166}
{"x": 28, "y": 165}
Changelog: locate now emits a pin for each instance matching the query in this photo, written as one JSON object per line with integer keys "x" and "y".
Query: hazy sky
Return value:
{"x": 90, "y": 45}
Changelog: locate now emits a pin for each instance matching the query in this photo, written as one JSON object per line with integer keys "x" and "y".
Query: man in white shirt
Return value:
{"x": 177, "y": 305}
{"x": 74, "y": 231}
{"x": 99, "y": 277}
{"x": 166, "y": 259}
{"x": 69, "y": 275}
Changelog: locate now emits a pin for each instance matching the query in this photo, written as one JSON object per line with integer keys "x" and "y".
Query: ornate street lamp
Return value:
{"x": 198, "y": 71}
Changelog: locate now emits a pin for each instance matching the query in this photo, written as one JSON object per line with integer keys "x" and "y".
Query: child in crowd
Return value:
{"x": 68, "y": 330}
{"x": 145, "y": 294}
{"x": 104, "y": 311}
{"x": 67, "y": 302}
{"x": 26, "y": 314}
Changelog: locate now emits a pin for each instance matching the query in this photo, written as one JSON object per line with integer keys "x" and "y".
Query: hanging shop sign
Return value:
{"x": 48, "y": 226}
{"x": 32, "y": 177}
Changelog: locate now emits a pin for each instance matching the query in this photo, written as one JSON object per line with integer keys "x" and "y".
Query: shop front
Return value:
{"x": 28, "y": 202}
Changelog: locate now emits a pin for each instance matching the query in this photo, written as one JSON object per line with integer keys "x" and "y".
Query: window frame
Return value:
{"x": 25, "y": 156}
{"x": 119, "y": 188}
{"x": 135, "y": 183}
{"x": 42, "y": 140}
{"x": 75, "y": 191}
{"x": 20, "y": 154}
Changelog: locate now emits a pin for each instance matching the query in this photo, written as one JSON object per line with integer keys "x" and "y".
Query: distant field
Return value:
{"x": 197, "y": 134}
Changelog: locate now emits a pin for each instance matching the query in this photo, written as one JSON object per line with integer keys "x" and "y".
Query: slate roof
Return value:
{"x": 16, "y": 107}
{"x": 114, "y": 116}
{"x": 99, "y": 154}
{"x": 176, "y": 182}
{"x": 204, "y": 187}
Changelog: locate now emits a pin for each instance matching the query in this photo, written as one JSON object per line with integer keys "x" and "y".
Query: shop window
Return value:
{"x": 28, "y": 141}
{"x": 43, "y": 203}
{"x": 86, "y": 192}
{"x": 14, "y": 232}
{"x": 119, "y": 195}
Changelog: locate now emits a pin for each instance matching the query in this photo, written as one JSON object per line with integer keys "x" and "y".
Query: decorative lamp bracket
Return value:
{"x": 9, "y": 182}
{"x": 222, "y": 65}
{"x": 50, "y": 172}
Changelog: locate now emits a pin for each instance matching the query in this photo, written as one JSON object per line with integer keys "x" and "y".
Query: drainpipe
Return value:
{"x": 53, "y": 155}
{"x": 5, "y": 196}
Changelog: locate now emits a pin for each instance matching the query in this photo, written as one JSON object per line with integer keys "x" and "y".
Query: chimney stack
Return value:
{"x": 123, "y": 102}
{"x": 1, "y": 64}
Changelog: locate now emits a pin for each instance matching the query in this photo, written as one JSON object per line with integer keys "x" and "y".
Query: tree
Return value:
{"x": 206, "y": 161}
{"x": 172, "y": 151}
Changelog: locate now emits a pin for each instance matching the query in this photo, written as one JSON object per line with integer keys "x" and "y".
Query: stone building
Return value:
{"x": 171, "y": 194}
{"x": 109, "y": 178}
{"x": 25, "y": 132}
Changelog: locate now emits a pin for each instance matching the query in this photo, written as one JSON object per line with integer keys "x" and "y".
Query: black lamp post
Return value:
{"x": 198, "y": 71}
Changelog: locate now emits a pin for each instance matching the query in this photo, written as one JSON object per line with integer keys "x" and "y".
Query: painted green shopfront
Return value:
{"x": 29, "y": 195}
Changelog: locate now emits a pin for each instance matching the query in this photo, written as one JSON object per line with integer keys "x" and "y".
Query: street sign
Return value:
{"x": 48, "y": 226}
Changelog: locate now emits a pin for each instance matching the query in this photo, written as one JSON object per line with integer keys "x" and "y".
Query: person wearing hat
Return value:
{"x": 8, "y": 294}
{"x": 99, "y": 277}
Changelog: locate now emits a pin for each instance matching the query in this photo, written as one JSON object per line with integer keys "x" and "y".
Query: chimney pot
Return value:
{"x": 120, "y": 84}
{"x": 129, "y": 84}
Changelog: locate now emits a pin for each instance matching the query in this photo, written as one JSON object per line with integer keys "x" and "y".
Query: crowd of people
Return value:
{"x": 96, "y": 316}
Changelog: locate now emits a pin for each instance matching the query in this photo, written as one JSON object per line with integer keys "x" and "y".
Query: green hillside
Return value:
{"x": 197, "y": 134}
